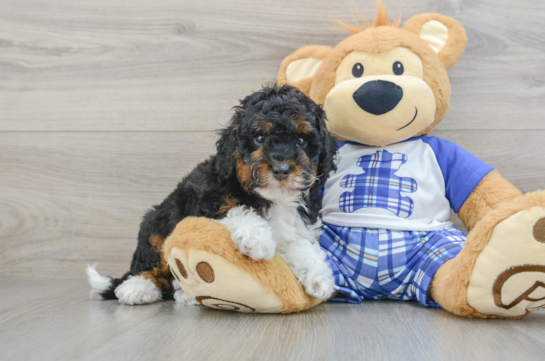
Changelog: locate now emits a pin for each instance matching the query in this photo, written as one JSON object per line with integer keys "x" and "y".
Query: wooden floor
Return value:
{"x": 106, "y": 104}
{"x": 55, "y": 320}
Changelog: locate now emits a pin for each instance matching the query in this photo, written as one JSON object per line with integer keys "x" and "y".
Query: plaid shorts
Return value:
{"x": 379, "y": 263}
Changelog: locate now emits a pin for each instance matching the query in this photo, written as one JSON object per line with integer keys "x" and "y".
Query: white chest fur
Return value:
{"x": 287, "y": 225}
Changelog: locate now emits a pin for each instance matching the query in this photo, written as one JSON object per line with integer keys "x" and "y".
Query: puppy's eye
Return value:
{"x": 357, "y": 70}
{"x": 398, "y": 68}
{"x": 259, "y": 139}
{"x": 301, "y": 142}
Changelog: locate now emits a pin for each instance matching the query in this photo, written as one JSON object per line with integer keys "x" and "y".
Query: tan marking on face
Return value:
{"x": 257, "y": 154}
{"x": 257, "y": 158}
{"x": 256, "y": 125}
{"x": 260, "y": 125}
{"x": 268, "y": 127}
{"x": 303, "y": 126}
{"x": 228, "y": 204}
{"x": 297, "y": 170}
{"x": 263, "y": 171}
{"x": 304, "y": 166}
{"x": 244, "y": 172}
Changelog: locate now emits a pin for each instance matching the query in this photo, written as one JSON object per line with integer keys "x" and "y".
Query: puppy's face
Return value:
{"x": 278, "y": 153}
{"x": 280, "y": 143}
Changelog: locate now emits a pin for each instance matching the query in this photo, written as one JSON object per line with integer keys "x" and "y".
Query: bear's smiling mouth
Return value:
{"x": 409, "y": 123}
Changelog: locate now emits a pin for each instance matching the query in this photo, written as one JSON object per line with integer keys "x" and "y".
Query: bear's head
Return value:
{"x": 383, "y": 84}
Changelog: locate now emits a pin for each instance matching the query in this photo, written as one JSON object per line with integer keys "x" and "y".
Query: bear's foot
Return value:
{"x": 508, "y": 278}
{"x": 214, "y": 282}
{"x": 500, "y": 273}
{"x": 212, "y": 271}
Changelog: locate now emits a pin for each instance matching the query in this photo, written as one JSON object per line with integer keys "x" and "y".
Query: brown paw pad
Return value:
{"x": 181, "y": 268}
{"x": 539, "y": 230}
{"x": 206, "y": 272}
{"x": 218, "y": 303}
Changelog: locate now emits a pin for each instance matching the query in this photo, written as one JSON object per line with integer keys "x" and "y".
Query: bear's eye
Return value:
{"x": 357, "y": 70}
{"x": 398, "y": 68}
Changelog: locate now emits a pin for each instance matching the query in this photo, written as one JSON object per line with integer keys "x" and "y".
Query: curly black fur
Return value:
{"x": 202, "y": 192}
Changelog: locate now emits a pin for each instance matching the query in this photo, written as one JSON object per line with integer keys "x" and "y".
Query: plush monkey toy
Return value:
{"x": 386, "y": 232}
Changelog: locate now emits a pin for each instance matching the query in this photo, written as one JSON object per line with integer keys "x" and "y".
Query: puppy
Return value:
{"x": 263, "y": 185}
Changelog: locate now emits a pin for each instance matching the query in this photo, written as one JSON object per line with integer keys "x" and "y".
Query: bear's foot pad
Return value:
{"x": 508, "y": 278}
{"x": 214, "y": 282}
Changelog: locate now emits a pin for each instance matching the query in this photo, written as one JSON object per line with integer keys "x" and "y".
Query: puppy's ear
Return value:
{"x": 226, "y": 148}
{"x": 298, "y": 69}
{"x": 326, "y": 164}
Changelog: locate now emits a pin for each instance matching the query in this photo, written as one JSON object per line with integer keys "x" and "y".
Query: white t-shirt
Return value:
{"x": 404, "y": 186}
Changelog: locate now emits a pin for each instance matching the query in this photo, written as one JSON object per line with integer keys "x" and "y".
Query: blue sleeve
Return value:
{"x": 462, "y": 170}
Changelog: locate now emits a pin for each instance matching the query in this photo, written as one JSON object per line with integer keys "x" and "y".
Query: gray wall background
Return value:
{"x": 106, "y": 104}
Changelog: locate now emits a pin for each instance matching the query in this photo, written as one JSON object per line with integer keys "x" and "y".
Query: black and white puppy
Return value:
{"x": 262, "y": 184}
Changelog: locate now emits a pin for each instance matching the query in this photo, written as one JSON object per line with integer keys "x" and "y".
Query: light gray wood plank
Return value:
{"x": 68, "y": 199}
{"x": 17, "y": 292}
{"x": 69, "y": 326}
{"x": 171, "y": 65}
{"x": 63, "y": 324}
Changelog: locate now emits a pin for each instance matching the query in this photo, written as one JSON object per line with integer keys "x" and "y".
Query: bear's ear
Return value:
{"x": 444, "y": 35}
{"x": 298, "y": 69}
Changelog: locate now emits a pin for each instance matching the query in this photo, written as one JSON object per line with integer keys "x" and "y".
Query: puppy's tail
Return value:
{"x": 102, "y": 285}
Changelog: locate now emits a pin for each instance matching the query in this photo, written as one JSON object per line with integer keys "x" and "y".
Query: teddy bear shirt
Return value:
{"x": 404, "y": 186}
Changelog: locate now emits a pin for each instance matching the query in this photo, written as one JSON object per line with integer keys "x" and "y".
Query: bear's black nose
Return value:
{"x": 378, "y": 96}
{"x": 281, "y": 171}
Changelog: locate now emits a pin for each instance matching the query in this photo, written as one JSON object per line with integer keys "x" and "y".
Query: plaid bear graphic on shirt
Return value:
{"x": 378, "y": 186}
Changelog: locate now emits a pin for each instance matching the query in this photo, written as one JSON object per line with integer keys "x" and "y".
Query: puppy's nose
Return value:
{"x": 378, "y": 96}
{"x": 281, "y": 170}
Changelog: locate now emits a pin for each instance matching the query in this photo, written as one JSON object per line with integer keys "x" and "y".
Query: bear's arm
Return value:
{"x": 492, "y": 190}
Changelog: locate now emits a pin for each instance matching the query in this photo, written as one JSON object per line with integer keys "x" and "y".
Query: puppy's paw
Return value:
{"x": 317, "y": 284}
{"x": 137, "y": 291}
{"x": 250, "y": 233}
{"x": 255, "y": 243}
{"x": 182, "y": 297}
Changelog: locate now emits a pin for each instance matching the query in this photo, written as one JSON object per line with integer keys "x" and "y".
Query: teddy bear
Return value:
{"x": 385, "y": 211}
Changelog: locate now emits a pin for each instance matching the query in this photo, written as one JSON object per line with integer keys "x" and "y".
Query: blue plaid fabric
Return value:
{"x": 380, "y": 263}
{"x": 378, "y": 186}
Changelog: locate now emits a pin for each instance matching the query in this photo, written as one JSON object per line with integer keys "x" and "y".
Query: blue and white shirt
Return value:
{"x": 407, "y": 186}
